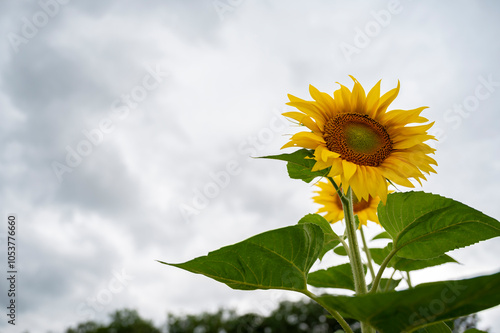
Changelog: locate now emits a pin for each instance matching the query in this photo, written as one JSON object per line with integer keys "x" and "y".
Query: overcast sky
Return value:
{"x": 127, "y": 128}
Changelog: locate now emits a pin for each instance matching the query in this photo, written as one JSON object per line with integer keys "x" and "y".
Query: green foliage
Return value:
{"x": 276, "y": 259}
{"x": 422, "y": 227}
{"x": 425, "y": 225}
{"x": 407, "y": 265}
{"x": 300, "y": 164}
{"x": 402, "y": 311}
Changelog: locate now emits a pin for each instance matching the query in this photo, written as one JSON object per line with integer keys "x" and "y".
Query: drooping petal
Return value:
{"x": 305, "y": 139}
{"x": 303, "y": 119}
{"x": 336, "y": 168}
{"x": 403, "y": 117}
{"x": 349, "y": 169}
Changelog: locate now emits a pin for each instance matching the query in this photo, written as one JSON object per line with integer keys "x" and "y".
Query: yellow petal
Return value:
{"x": 358, "y": 97}
{"x": 394, "y": 176}
{"x": 359, "y": 184}
{"x": 320, "y": 165}
{"x": 336, "y": 169}
{"x": 325, "y": 154}
{"x": 386, "y": 100}
{"x": 373, "y": 97}
{"x": 405, "y": 142}
{"x": 303, "y": 119}
{"x": 339, "y": 102}
{"x": 325, "y": 101}
{"x": 403, "y": 117}
{"x": 346, "y": 99}
{"x": 305, "y": 139}
{"x": 349, "y": 169}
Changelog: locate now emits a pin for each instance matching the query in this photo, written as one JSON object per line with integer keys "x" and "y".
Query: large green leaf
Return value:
{"x": 425, "y": 225}
{"x": 404, "y": 311}
{"x": 300, "y": 164}
{"x": 407, "y": 265}
{"x": 330, "y": 237}
{"x": 276, "y": 259}
{"x": 334, "y": 277}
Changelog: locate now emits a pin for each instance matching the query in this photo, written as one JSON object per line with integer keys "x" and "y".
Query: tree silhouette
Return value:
{"x": 122, "y": 321}
{"x": 289, "y": 317}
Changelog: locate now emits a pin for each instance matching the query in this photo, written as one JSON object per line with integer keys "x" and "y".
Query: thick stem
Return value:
{"x": 356, "y": 263}
{"x": 368, "y": 254}
{"x": 354, "y": 254}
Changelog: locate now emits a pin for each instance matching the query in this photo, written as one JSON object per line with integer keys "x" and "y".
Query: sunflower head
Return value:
{"x": 331, "y": 205}
{"x": 354, "y": 135}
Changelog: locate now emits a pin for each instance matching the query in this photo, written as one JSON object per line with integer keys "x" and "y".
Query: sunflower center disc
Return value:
{"x": 358, "y": 139}
{"x": 357, "y": 205}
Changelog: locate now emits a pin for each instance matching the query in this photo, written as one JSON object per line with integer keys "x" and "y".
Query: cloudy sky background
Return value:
{"x": 185, "y": 91}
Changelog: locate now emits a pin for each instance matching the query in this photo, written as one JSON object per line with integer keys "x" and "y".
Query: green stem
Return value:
{"x": 355, "y": 255}
{"x": 333, "y": 312}
{"x": 408, "y": 280}
{"x": 368, "y": 254}
{"x": 381, "y": 271}
{"x": 356, "y": 263}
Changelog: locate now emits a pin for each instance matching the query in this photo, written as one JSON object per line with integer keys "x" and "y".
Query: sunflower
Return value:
{"x": 362, "y": 142}
{"x": 331, "y": 205}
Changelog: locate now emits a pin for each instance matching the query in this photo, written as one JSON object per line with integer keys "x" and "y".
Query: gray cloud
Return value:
{"x": 228, "y": 76}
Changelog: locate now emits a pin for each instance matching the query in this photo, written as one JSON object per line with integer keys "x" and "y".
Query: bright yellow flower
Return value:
{"x": 361, "y": 141}
{"x": 331, "y": 205}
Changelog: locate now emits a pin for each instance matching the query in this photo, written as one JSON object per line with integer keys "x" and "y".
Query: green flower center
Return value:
{"x": 358, "y": 139}
{"x": 362, "y": 138}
